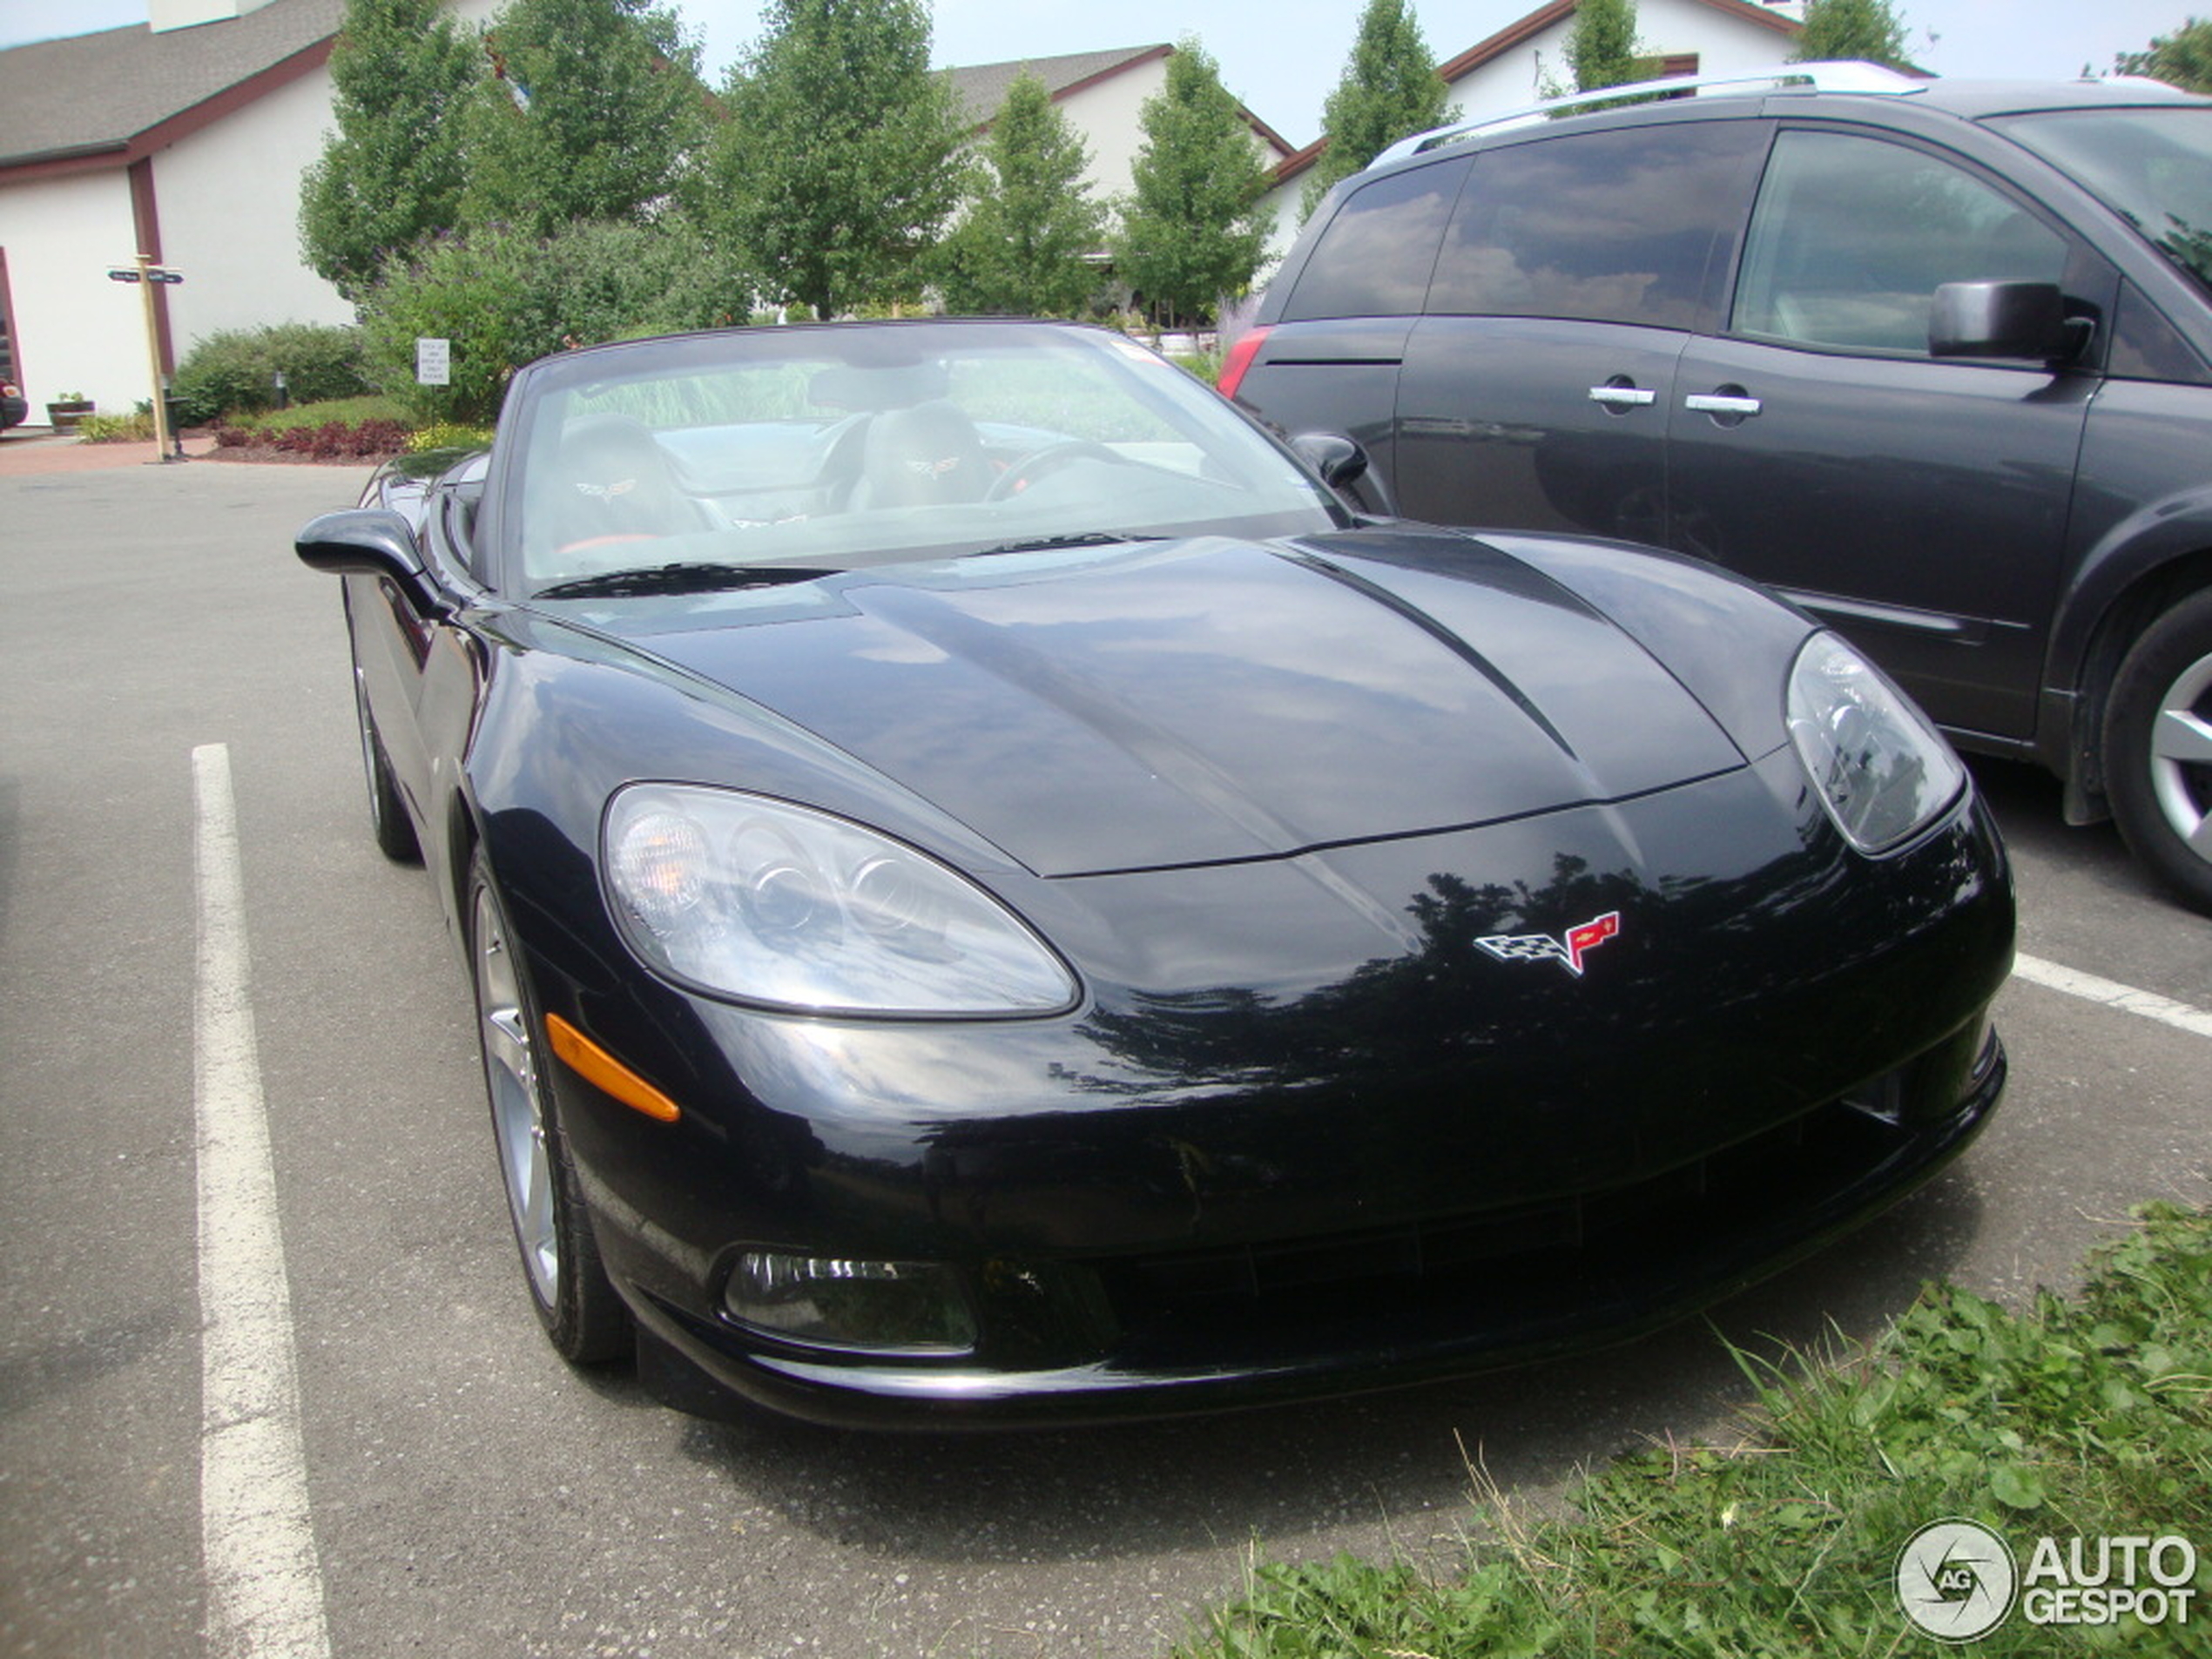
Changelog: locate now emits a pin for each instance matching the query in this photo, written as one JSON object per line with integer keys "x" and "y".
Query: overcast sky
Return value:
{"x": 1282, "y": 58}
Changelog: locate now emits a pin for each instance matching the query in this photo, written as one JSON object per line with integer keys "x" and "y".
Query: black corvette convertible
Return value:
{"x": 994, "y": 894}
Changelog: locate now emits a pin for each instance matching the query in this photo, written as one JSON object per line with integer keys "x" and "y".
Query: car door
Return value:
{"x": 1919, "y": 505}
{"x": 1534, "y": 392}
{"x": 418, "y": 671}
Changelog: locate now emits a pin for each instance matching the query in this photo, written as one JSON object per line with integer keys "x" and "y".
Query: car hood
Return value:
{"x": 1208, "y": 701}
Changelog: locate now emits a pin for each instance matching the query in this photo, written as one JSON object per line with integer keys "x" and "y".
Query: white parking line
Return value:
{"x": 2112, "y": 994}
{"x": 264, "y": 1582}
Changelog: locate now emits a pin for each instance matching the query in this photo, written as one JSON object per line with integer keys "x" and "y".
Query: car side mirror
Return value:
{"x": 1343, "y": 467}
{"x": 368, "y": 541}
{"x": 363, "y": 541}
{"x": 2020, "y": 320}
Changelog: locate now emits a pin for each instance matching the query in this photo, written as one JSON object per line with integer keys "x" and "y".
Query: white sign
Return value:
{"x": 432, "y": 361}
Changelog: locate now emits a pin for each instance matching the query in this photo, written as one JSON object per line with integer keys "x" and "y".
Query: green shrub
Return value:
{"x": 351, "y": 410}
{"x": 502, "y": 298}
{"x": 233, "y": 371}
{"x": 445, "y": 435}
{"x": 134, "y": 428}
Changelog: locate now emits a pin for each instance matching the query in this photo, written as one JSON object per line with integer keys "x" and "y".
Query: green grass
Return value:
{"x": 2088, "y": 1416}
{"x": 1202, "y": 366}
{"x": 349, "y": 411}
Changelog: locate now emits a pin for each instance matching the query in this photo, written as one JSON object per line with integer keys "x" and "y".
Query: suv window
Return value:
{"x": 1374, "y": 258}
{"x": 1630, "y": 227}
{"x": 2153, "y": 166}
{"x": 1853, "y": 235}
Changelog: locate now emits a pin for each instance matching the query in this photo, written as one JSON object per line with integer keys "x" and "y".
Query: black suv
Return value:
{"x": 1931, "y": 358}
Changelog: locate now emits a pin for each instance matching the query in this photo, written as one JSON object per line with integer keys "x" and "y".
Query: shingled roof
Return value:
{"x": 107, "y": 99}
{"x": 982, "y": 87}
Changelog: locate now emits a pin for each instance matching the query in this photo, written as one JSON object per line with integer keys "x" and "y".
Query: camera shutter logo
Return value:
{"x": 1956, "y": 1580}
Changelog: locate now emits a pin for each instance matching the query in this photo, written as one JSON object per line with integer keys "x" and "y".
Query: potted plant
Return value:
{"x": 64, "y": 412}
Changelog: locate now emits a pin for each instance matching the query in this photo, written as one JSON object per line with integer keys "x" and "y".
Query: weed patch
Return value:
{"x": 2087, "y": 1417}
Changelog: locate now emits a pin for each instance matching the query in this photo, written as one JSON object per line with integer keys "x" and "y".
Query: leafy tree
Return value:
{"x": 2182, "y": 59}
{"x": 393, "y": 171}
{"x": 1193, "y": 230}
{"x": 1030, "y": 219}
{"x": 834, "y": 170}
{"x": 1602, "y": 48}
{"x": 1390, "y": 91}
{"x": 591, "y": 110}
{"x": 1844, "y": 30}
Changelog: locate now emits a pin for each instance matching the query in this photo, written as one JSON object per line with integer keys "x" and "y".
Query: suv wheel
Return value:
{"x": 2158, "y": 749}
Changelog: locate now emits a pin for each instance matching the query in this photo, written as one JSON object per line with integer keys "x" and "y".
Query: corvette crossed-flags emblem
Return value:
{"x": 1567, "y": 952}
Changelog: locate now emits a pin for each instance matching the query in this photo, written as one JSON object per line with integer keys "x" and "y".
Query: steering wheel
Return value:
{"x": 1024, "y": 472}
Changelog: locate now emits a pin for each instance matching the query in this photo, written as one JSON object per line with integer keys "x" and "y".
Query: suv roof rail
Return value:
{"x": 1835, "y": 77}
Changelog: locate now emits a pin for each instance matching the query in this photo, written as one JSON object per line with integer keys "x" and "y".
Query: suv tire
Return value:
{"x": 2158, "y": 749}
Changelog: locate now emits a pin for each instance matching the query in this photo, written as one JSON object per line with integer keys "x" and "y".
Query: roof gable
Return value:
{"x": 146, "y": 90}
{"x": 983, "y": 88}
{"x": 1528, "y": 28}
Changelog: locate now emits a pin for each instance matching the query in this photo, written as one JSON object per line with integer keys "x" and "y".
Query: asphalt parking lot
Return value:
{"x": 458, "y": 1490}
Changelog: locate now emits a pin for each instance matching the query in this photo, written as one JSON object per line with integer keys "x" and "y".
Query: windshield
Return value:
{"x": 779, "y": 453}
{"x": 2153, "y": 166}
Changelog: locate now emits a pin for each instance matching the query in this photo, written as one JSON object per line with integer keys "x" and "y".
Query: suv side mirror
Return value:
{"x": 2026, "y": 320}
{"x": 1343, "y": 466}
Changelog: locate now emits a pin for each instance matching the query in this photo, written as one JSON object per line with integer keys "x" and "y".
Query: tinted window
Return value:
{"x": 1623, "y": 226}
{"x": 1853, "y": 236}
{"x": 2152, "y": 167}
{"x": 2145, "y": 346}
{"x": 1374, "y": 258}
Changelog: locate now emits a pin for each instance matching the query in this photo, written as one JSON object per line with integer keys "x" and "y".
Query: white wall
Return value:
{"x": 1283, "y": 202}
{"x": 229, "y": 202}
{"x": 1107, "y": 116}
{"x": 75, "y": 331}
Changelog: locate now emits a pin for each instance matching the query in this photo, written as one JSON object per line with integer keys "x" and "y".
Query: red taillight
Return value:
{"x": 1239, "y": 358}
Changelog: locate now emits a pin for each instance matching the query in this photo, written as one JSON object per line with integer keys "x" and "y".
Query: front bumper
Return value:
{"x": 1387, "y": 1162}
{"x": 1219, "y": 1330}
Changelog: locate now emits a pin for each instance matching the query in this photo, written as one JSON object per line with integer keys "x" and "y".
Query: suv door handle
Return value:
{"x": 1623, "y": 397}
{"x": 1722, "y": 402}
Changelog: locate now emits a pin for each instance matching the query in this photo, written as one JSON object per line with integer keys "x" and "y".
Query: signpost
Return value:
{"x": 143, "y": 272}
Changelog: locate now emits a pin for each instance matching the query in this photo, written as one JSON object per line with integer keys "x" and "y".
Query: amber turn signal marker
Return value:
{"x": 595, "y": 1065}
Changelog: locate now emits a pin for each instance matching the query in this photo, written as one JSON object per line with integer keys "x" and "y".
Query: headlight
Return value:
{"x": 766, "y": 902}
{"x": 1884, "y": 771}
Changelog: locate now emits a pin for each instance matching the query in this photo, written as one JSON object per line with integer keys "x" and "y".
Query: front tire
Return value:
{"x": 2158, "y": 750}
{"x": 583, "y": 1317}
{"x": 387, "y": 817}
